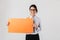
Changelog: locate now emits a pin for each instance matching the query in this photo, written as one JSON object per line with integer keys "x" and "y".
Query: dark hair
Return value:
{"x": 33, "y": 5}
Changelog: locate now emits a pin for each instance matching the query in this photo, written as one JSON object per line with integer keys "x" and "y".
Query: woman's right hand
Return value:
{"x": 34, "y": 25}
{"x": 8, "y": 23}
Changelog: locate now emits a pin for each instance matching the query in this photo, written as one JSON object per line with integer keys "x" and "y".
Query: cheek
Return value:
{"x": 33, "y": 12}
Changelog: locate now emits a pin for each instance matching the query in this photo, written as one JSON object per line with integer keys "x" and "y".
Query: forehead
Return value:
{"x": 32, "y": 8}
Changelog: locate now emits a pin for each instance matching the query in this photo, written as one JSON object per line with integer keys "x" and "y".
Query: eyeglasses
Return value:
{"x": 33, "y": 9}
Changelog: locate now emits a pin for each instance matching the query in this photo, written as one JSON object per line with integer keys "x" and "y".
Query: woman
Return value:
{"x": 36, "y": 24}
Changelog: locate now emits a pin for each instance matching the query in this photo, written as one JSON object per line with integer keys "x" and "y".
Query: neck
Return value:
{"x": 33, "y": 16}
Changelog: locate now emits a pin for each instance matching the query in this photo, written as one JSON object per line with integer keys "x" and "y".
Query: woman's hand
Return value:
{"x": 8, "y": 23}
{"x": 34, "y": 25}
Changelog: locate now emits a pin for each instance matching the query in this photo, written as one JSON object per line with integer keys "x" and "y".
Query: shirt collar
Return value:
{"x": 32, "y": 17}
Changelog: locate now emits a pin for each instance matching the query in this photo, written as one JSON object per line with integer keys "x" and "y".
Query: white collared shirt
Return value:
{"x": 37, "y": 22}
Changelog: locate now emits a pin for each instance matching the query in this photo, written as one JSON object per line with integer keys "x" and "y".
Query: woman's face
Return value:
{"x": 32, "y": 11}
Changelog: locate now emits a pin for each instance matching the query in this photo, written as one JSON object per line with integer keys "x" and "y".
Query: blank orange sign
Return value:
{"x": 20, "y": 25}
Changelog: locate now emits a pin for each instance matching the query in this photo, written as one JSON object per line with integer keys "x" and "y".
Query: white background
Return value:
{"x": 48, "y": 11}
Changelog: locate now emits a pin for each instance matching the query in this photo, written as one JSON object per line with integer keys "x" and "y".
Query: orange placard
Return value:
{"x": 20, "y": 25}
